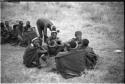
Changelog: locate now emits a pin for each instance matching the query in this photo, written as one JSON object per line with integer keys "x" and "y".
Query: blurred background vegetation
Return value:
{"x": 101, "y": 22}
{"x": 107, "y": 13}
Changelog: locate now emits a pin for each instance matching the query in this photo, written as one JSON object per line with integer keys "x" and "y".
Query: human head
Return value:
{"x": 54, "y": 34}
{"x": 2, "y": 24}
{"x": 78, "y": 34}
{"x": 20, "y": 22}
{"x": 27, "y": 22}
{"x": 85, "y": 43}
{"x": 59, "y": 42}
{"x": 7, "y": 23}
{"x": 73, "y": 44}
{"x": 37, "y": 42}
{"x": 52, "y": 43}
{"x": 17, "y": 22}
{"x": 53, "y": 28}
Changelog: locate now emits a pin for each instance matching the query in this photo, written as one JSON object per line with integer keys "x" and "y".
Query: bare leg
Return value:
{"x": 45, "y": 35}
{"x": 40, "y": 31}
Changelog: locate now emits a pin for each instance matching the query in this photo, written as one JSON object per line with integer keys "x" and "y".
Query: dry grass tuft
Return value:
{"x": 101, "y": 22}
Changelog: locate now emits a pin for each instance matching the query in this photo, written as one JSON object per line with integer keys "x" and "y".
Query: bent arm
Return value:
{"x": 61, "y": 54}
{"x": 41, "y": 51}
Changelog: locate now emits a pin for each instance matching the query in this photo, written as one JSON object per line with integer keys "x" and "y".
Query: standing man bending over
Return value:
{"x": 42, "y": 25}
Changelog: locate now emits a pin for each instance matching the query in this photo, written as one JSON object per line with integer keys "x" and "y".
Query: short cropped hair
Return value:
{"x": 38, "y": 39}
{"x": 73, "y": 44}
{"x": 78, "y": 33}
{"x": 21, "y": 22}
{"x": 85, "y": 42}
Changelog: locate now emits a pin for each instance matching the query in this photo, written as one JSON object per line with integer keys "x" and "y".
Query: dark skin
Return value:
{"x": 7, "y": 26}
{"x": 4, "y": 33}
{"x": 54, "y": 35}
{"x": 21, "y": 26}
{"x": 27, "y": 26}
{"x": 15, "y": 33}
{"x": 20, "y": 31}
{"x": 42, "y": 25}
{"x": 2, "y": 26}
{"x": 28, "y": 23}
{"x": 6, "y": 23}
{"x": 37, "y": 44}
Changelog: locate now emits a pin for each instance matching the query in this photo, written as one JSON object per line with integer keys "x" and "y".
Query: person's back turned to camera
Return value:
{"x": 91, "y": 56}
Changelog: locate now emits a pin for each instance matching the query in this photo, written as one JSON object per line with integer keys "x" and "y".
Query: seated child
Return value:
{"x": 78, "y": 39}
{"x": 75, "y": 42}
{"x": 91, "y": 56}
{"x": 53, "y": 35}
{"x": 33, "y": 53}
{"x": 54, "y": 43}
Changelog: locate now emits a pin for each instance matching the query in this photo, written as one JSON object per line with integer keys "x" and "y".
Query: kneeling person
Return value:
{"x": 33, "y": 53}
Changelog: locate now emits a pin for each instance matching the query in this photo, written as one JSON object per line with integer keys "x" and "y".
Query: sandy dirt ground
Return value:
{"x": 102, "y": 23}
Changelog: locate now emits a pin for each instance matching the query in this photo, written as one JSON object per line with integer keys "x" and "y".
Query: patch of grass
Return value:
{"x": 115, "y": 74}
{"x": 99, "y": 22}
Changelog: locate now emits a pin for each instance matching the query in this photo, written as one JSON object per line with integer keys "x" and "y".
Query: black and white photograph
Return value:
{"x": 62, "y": 42}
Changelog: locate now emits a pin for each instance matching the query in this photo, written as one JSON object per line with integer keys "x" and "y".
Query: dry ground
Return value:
{"x": 102, "y": 23}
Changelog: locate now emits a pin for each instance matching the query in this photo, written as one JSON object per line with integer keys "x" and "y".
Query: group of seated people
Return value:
{"x": 72, "y": 58}
{"x": 18, "y": 34}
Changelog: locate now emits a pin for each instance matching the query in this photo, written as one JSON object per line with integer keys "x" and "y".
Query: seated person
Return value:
{"x": 27, "y": 26}
{"x": 8, "y": 27}
{"x": 18, "y": 32}
{"x": 28, "y": 35}
{"x": 54, "y": 43}
{"x": 78, "y": 38}
{"x": 4, "y": 33}
{"x": 91, "y": 56}
{"x": 33, "y": 53}
{"x": 53, "y": 35}
{"x": 71, "y": 63}
{"x": 15, "y": 33}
